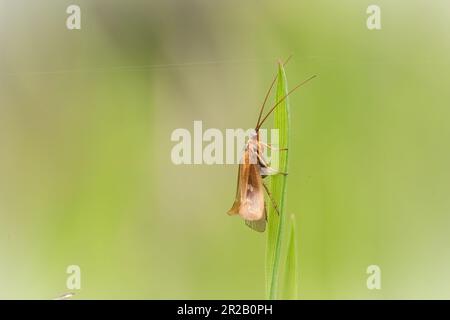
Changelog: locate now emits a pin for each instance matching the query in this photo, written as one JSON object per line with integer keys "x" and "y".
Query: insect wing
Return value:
{"x": 237, "y": 200}
{"x": 258, "y": 225}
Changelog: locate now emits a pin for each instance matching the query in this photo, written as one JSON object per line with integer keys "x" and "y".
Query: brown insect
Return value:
{"x": 249, "y": 202}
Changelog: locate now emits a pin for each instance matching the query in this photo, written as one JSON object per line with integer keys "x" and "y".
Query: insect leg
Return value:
{"x": 274, "y": 204}
{"x": 262, "y": 160}
{"x": 269, "y": 171}
{"x": 266, "y": 170}
{"x": 268, "y": 145}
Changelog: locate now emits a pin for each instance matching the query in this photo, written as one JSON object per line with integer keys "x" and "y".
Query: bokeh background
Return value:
{"x": 85, "y": 124}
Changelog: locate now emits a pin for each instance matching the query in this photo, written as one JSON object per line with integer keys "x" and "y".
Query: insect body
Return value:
{"x": 249, "y": 201}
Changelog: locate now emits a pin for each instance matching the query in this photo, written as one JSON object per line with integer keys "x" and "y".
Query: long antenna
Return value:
{"x": 268, "y": 92}
{"x": 282, "y": 99}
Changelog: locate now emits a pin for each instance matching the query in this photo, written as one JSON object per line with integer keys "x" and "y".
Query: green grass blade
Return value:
{"x": 290, "y": 279}
{"x": 277, "y": 224}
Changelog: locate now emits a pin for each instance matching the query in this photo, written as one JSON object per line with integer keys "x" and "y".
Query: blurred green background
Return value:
{"x": 85, "y": 124}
